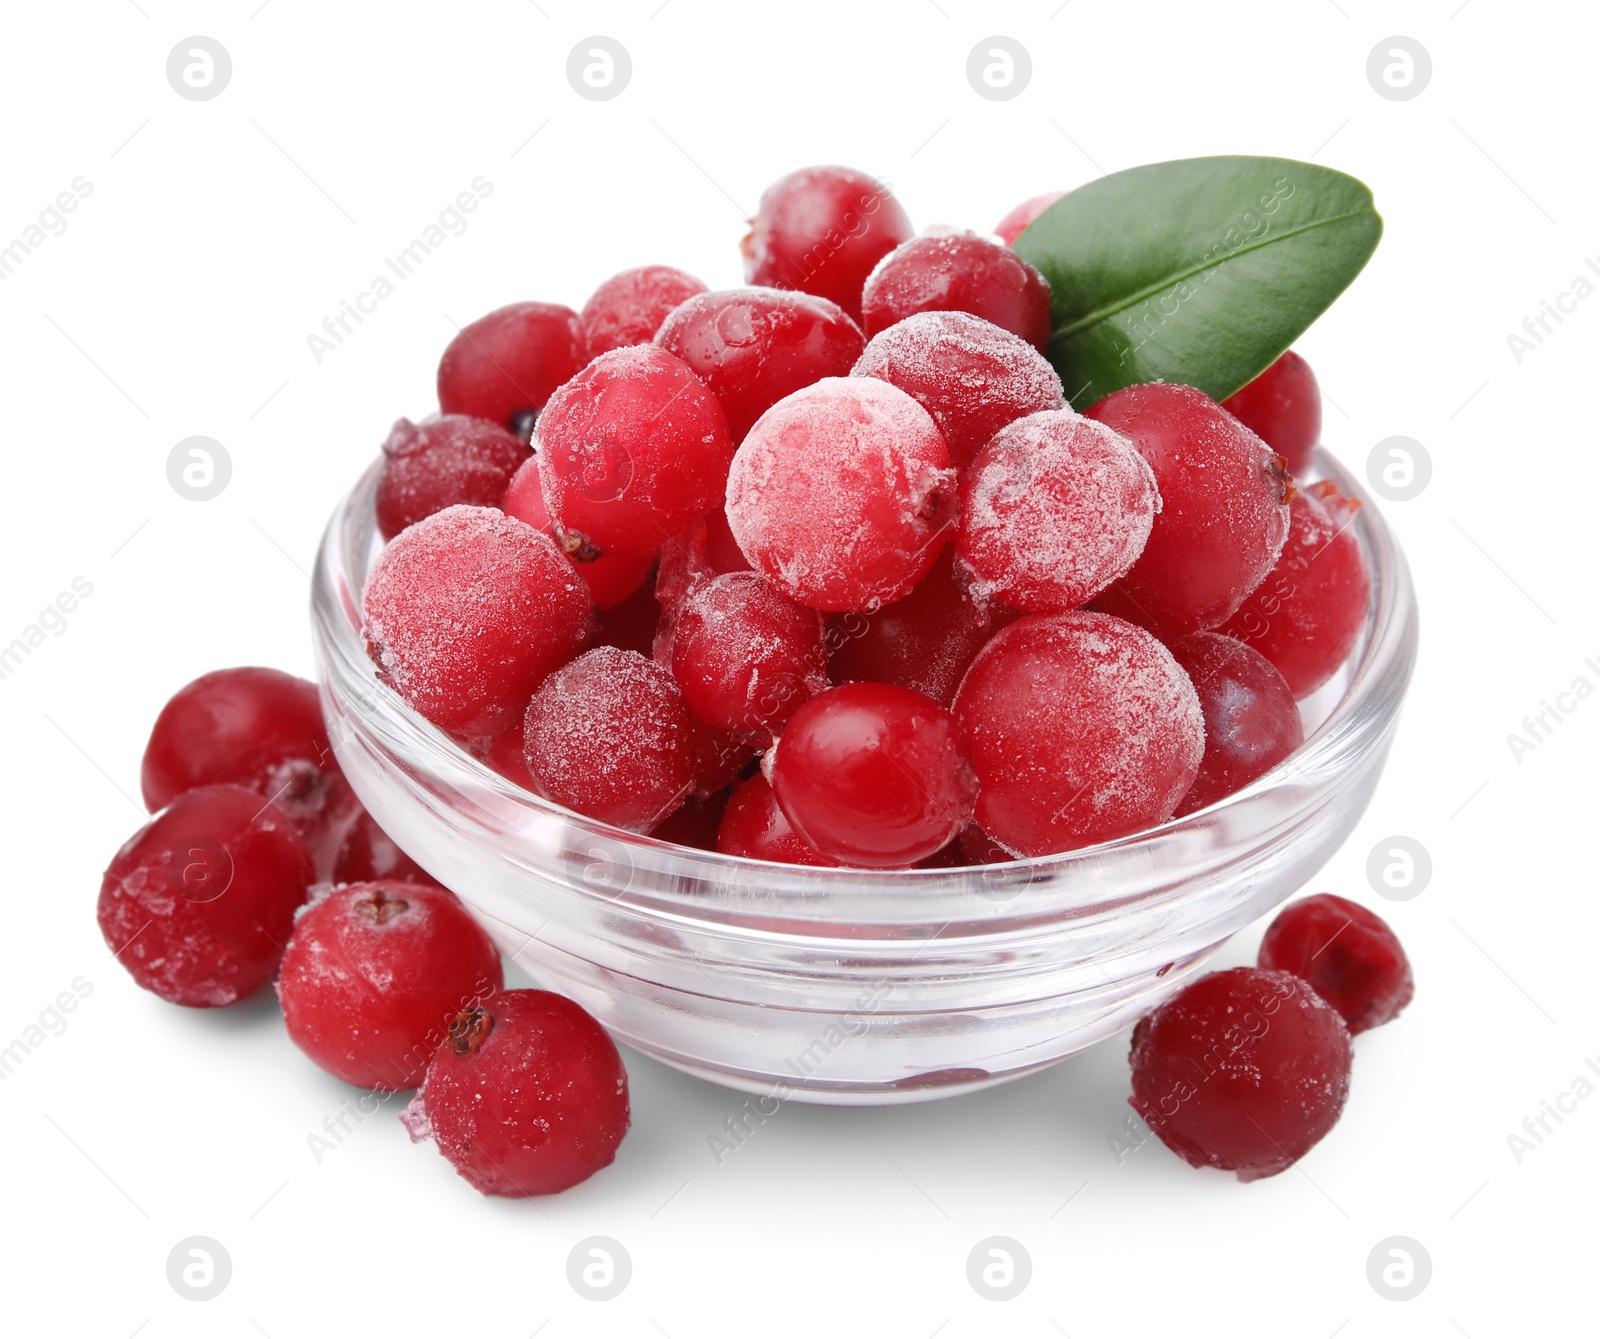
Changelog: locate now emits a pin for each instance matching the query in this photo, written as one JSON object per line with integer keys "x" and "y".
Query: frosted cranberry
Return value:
{"x": 1053, "y": 510}
{"x": 746, "y": 655}
{"x": 527, "y": 1095}
{"x": 719, "y": 757}
{"x": 972, "y": 376}
{"x": 467, "y": 611}
{"x": 705, "y": 550}
{"x": 1082, "y": 728}
{"x": 842, "y": 494}
{"x": 821, "y": 230}
{"x": 755, "y": 827}
{"x": 610, "y": 577}
{"x": 1283, "y": 407}
{"x": 431, "y": 466}
{"x": 368, "y": 853}
{"x": 610, "y": 736}
{"x": 1013, "y": 224}
{"x": 198, "y": 903}
{"x": 1349, "y": 955}
{"x": 958, "y": 271}
{"x": 505, "y": 365}
{"x": 874, "y": 774}
{"x": 631, "y": 624}
{"x": 1245, "y": 1070}
{"x": 257, "y": 728}
{"x": 631, "y": 450}
{"x": 694, "y": 823}
{"x": 630, "y": 307}
{"x": 924, "y": 641}
{"x": 374, "y": 974}
{"x": 1224, "y": 509}
{"x": 1307, "y": 615}
{"x": 1252, "y": 722}
{"x": 753, "y": 346}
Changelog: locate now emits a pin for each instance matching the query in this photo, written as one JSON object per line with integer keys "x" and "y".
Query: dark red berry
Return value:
{"x": 1245, "y": 1070}
{"x": 368, "y": 853}
{"x": 719, "y": 757}
{"x": 527, "y": 1096}
{"x": 433, "y": 465}
{"x": 1283, "y": 407}
{"x": 755, "y": 827}
{"x": 958, "y": 271}
{"x": 1016, "y": 222}
{"x": 694, "y": 823}
{"x": 1349, "y": 955}
{"x": 375, "y": 973}
{"x": 630, "y": 307}
{"x": 821, "y": 230}
{"x": 1252, "y": 722}
{"x": 507, "y": 364}
{"x": 199, "y": 903}
{"x": 611, "y": 577}
{"x": 632, "y": 623}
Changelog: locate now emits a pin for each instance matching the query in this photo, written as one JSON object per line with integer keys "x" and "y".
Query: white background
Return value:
{"x": 177, "y": 302}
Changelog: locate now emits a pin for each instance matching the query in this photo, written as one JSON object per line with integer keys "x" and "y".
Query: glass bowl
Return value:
{"x": 852, "y": 986}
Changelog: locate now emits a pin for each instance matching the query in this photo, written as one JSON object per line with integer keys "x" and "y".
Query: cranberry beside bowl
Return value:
{"x": 851, "y": 986}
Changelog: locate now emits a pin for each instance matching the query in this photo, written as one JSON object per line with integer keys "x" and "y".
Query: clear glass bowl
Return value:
{"x": 850, "y": 986}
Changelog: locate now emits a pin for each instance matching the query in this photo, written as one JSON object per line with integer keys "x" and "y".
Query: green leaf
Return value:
{"x": 1200, "y": 271}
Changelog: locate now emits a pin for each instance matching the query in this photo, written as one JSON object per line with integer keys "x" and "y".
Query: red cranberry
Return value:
{"x": 504, "y": 753}
{"x": 1283, "y": 407}
{"x": 1245, "y": 1070}
{"x": 374, "y": 974}
{"x": 1053, "y": 510}
{"x": 755, "y": 827}
{"x": 719, "y": 757}
{"x": 705, "y": 550}
{"x": 874, "y": 774}
{"x": 631, "y": 450}
{"x": 821, "y": 230}
{"x": 610, "y": 577}
{"x": 924, "y": 641}
{"x": 841, "y": 495}
{"x": 1013, "y": 224}
{"x": 632, "y": 623}
{"x": 753, "y": 346}
{"x": 467, "y": 611}
{"x": 199, "y": 902}
{"x": 1349, "y": 955}
{"x": 508, "y": 363}
{"x": 972, "y": 376}
{"x": 610, "y": 736}
{"x": 1307, "y": 615}
{"x": 431, "y": 466}
{"x": 1252, "y": 722}
{"x": 694, "y": 823}
{"x": 630, "y": 307}
{"x": 368, "y": 853}
{"x": 958, "y": 271}
{"x": 257, "y": 728}
{"x": 1224, "y": 509}
{"x": 527, "y": 1096}
{"x": 1082, "y": 728}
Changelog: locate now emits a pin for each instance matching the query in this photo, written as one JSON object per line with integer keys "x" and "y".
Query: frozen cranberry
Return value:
{"x": 1013, "y": 224}
{"x": 958, "y": 271}
{"x": 705, "y": 550}
{"x": 527, "y": 1096}
{"x": 369, "y": 853}
{"x": 924, "y": 641}
{"x": 874, "y": 774}
{"x": 630, "y": 307}
{"x": 198, "y": 903}
{"x": 1082, "y": 727}
{"x": 610, "y": 577}
{"x": 257, "y": 728}
{"x": 755, "y": 827}
{"x": 1307, "y": 615}
{"x": 694, "y": 823}
{"x": 753, "y": 346}
{"x": 1252, "y": 722}
{"x": 374, "y": 974}
{"x": 719, "y": 757}
{"x": 746, "y": 655}
{"x": 1283, "y": 407}
{"x": 631, "y": 624}
{"x": 610, "y": 736}
{"x": 430, "y": 466}
{"x": 1053, "y": 510}
{"x": 505, "y": 365}
{"x": 1224, "y": 509}
{"x": 631, "y": 450}
{"x": 821, "y": 230}
{"x": 972, "y": 376}
{"x": 1349, "y": 955}
{"x": 842, "y": 494}
{"x": 1245, "y": 1070}
{"x": 466, "y": 612}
